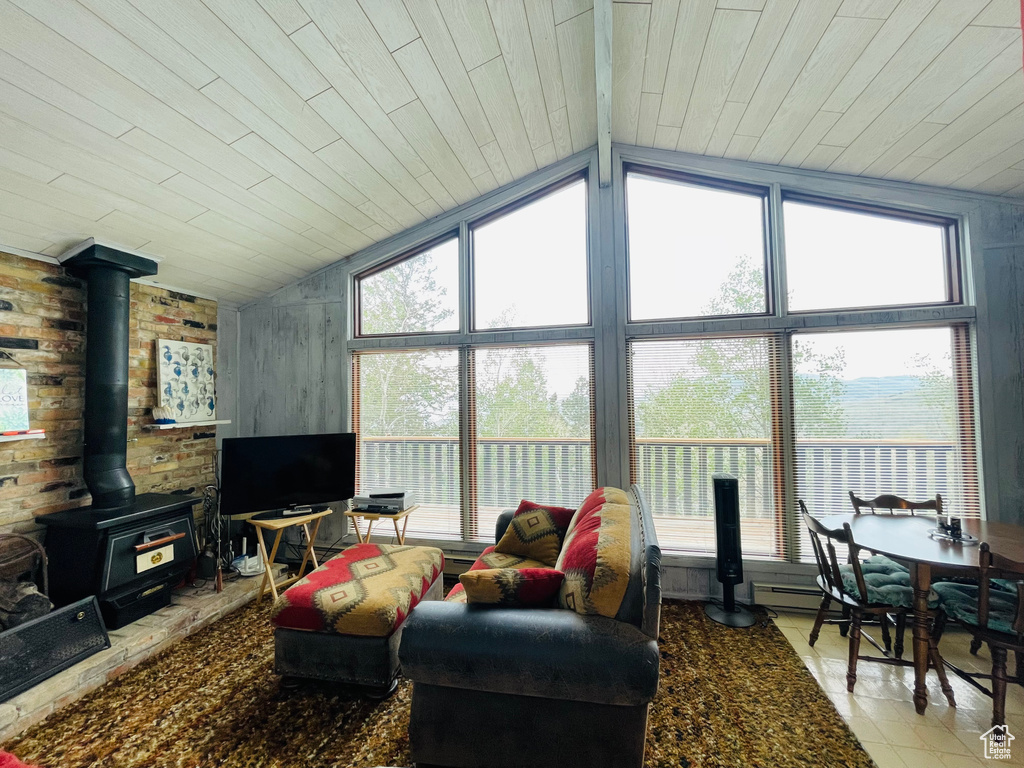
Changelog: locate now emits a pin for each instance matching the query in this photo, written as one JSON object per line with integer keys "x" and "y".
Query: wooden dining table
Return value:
{"x": 907, "y": 539}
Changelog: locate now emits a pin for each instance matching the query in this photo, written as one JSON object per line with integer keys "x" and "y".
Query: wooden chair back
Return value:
{"x": 996, "y": 566}
{"x": 888, "y": 501}
{"x": 823, "y": 542}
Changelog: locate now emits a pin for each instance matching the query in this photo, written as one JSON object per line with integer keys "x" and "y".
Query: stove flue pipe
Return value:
{"x": 108, "y": 273}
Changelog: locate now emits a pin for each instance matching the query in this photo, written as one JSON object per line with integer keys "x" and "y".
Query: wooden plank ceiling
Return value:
{"x": 248, "y": 142}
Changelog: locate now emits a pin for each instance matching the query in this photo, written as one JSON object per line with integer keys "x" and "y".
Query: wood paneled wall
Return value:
{"x": 292, "y": 363}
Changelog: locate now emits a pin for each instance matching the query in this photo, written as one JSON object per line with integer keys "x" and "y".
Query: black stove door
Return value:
{"x": 149, "y": 551}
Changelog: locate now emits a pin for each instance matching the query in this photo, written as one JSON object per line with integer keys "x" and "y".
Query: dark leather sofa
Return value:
{"x": 500, "y": 687}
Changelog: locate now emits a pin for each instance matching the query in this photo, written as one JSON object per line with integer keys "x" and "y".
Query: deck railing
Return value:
{"x": 674, "y": 473}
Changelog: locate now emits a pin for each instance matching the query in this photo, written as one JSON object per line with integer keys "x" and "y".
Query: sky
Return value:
{"x": 534, "y": 261}
{"x": 530, "y": 265}
{"x": 683, "y": 242}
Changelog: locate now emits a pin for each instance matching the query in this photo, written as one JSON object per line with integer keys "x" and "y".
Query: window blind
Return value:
{"x": 532, "y": 434}
{"x": 406, "y": 417}
{"x": 697, "y": 407}
{"x": 884, "y": 411}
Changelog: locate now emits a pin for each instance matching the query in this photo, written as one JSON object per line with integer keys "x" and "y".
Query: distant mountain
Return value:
{"x": 892, "y": 408}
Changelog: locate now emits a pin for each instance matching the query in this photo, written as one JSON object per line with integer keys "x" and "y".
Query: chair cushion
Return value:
{"x": 883, "y": 564}
{"x": 491, "y": 559}
{"x": 369, "y": 590}
{"x": 512, "y": 586}
{"x": 960, "y": 602}
{"x": 597, "y": 555}
{"x": 536, "y": 532}
{"x": 885, "y": 585}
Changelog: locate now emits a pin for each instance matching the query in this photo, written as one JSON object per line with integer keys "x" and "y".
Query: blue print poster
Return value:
{"x": 185, "y": 378}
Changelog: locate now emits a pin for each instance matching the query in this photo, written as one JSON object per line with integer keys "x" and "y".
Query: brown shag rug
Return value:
{"x": 727, "y": 698}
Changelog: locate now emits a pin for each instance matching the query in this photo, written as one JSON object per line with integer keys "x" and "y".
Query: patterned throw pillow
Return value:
{"x": 491, "y": 559}
{"x": 512, "y": 586}
{"x": 596, "y": 556}
{"x": 536, "y": 531}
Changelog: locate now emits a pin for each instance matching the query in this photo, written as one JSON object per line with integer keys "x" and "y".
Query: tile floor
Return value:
{"x": 881, "y": 711}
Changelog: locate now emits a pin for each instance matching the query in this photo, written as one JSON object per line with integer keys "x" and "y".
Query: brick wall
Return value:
{"x": 42, "y": 325}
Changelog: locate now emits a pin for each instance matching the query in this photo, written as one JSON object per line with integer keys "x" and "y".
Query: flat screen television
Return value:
{"x": 270, "y": 473}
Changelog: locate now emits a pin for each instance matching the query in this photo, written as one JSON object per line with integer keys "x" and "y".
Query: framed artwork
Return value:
{"x": 13, "y": 400}
{"x": 185, "y": 380}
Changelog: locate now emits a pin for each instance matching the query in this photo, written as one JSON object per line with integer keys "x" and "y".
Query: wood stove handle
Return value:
{"x": 158, "y": 542}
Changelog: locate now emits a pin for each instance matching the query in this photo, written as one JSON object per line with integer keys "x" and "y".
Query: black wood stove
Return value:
{"x": 129, "y": 558}
{"x": 128, "y": 551}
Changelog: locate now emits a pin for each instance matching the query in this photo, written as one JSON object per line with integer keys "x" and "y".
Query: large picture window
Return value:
{"x": 702, "y": 406}
{"x": 406, "y": 417}
{"x": 533, "y": 427}
{"x": 838, "y": 258}
{"x": 694, "y": 251}
{"x": 806, "y": 346}
{"x": 472, "y": 427}
{"x": 801, "y": 409}
{"x": 879, "y": 411}
{"x": 530, "y": 264}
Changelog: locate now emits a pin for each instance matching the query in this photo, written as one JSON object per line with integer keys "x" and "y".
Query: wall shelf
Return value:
{"x": 185, "y": 424}
{"x": 9, "y": 438}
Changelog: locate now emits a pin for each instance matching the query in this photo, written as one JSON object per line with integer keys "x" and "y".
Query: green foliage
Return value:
{"x": 575, "y": 409}
{"x": 407, "y": 393}
{"x": 818, "y": 393}
{"x": 723, "y": 393}
{"x": 513, "y": 399}
{"x": 404, "y": 298}
{"x": 725, "y": 390}
{"x": 416, "y": 393}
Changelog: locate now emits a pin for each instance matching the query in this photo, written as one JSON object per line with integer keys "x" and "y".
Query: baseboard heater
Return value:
{"x": 456, "y": 566}
{"x": 790, "y": 596}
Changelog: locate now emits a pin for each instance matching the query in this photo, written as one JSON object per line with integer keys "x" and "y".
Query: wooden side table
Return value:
{"x": 279, "y": 524}
{"x": 372, "y": 517}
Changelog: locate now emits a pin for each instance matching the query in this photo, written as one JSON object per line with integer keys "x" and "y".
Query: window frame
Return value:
{"x": 778, "y": 350}
{"x": 724, "y": 185}
{"x": 357, "y": 293}
{"x": 951, "y": 252}
{"x": 783, "y": 322}
{"x": 608, "y": 292}
{"x": 465, "y": 339}
{"x": 511, "y": 207}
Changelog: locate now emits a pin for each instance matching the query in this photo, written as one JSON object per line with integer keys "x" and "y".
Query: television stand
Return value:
{"x": 277, "y": 514}
{"x": 373, "y": 516}
{"x": 278, "y": 523}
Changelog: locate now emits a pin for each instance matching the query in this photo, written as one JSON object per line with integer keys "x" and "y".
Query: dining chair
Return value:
{"x": 897, "y": 505}
{"x": 893, "y": 503}
{"x": 993, "y": 614}
{"x": 871, "y": 594}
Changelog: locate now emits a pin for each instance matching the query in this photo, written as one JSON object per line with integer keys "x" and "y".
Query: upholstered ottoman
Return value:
{"x": 343, "y": 621}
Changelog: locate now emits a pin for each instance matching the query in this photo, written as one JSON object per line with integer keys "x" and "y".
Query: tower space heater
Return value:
{"x": 730, "y": 556}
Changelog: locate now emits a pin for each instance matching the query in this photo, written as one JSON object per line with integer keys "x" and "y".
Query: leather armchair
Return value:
{"x": 515, "y": 687}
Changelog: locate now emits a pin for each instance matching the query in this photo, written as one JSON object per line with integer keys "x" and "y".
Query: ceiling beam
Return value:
{"x": 603, "y": 82}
